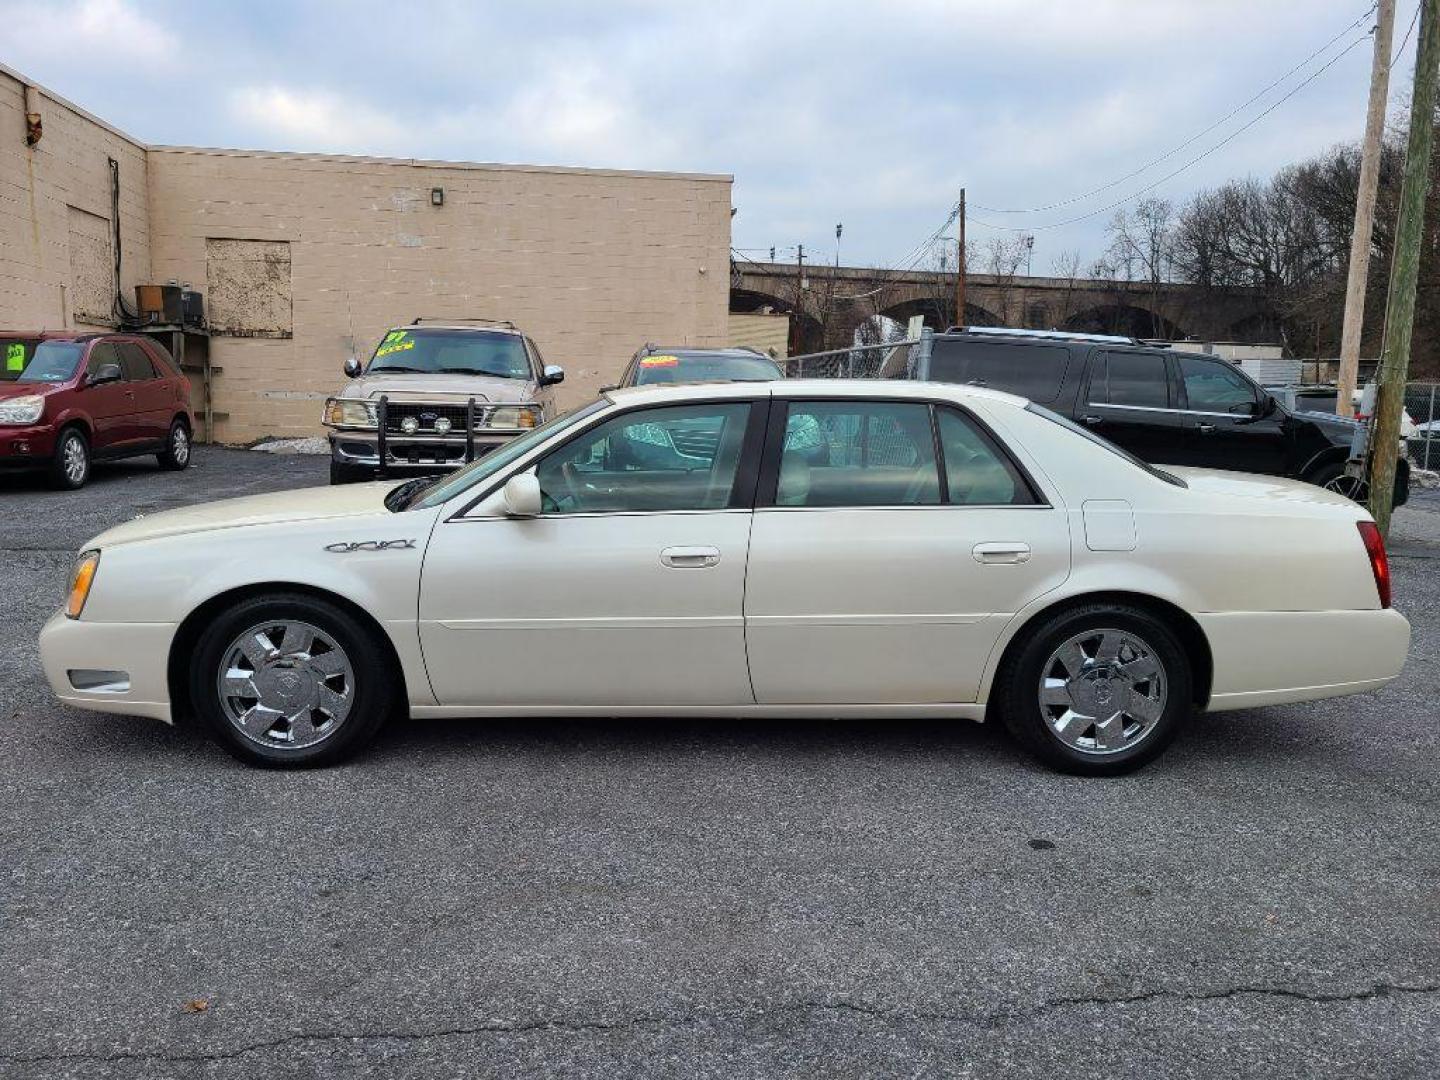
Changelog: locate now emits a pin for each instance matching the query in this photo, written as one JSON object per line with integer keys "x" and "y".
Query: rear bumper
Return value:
{"x": 109, "y": 667}
{"x": 1282, "y": 657}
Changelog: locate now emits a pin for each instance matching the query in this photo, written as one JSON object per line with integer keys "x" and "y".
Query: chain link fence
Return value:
{"x": 1422, "y": 403}
{"x": 860, "y": 362}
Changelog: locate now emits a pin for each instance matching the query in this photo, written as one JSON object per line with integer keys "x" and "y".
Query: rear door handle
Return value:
{"x": 1092, "y": 420}
{"x": 690, "y": 558}
{"x": 1003, "y": 551}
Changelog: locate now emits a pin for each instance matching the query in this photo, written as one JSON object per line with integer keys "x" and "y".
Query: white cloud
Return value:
{"x": 284, "y": 117}
{"x": 110, "y": 33}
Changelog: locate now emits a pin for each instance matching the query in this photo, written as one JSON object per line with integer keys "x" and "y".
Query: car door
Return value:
{"x": 110, "y": 405}
{"x": 627, "y": 589}
{"x": 149, "y": 396}
{"x": 1127, "y": 398}
{"x": 880, "y": 570}
{"x": 1227, "y": 422}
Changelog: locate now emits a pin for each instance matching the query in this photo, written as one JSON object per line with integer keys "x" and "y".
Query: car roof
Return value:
{"x": 58, "y": 335}
{"x": 803, "y": 388}
{"x": 474, "y": 328}
{"x": 700, "y": 352}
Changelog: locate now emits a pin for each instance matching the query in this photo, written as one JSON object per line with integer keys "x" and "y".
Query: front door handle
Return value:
{"x": 690, "y": 558}
{"x": 1003, "y": 551}
{"x": 1092, "y": 420}
{"x": 1204, "y": 429}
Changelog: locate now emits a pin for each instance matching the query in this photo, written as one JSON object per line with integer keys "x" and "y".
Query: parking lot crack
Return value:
{"x": 997, "y": 1018}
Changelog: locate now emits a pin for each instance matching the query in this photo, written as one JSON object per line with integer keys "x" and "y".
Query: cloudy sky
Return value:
{"x": 873, "y": 114}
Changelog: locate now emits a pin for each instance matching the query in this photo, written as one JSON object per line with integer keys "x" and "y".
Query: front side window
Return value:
{"x": 682, "y": 457}
{"x": 858, "y": 453}
{"x": 452, "y": 352}
{"x": 1134, "y": 379}
{"x": 1213, "y": 385}
{"x": 102, "y": 354}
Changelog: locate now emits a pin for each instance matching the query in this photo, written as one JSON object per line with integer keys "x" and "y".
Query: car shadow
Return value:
{"x": 101, "y": 474}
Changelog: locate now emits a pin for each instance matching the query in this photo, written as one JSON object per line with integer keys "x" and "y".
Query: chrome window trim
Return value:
{"x": 1157, "y": 409}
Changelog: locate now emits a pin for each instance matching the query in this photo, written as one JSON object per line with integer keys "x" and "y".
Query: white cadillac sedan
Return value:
{"x": 787, "y": 549}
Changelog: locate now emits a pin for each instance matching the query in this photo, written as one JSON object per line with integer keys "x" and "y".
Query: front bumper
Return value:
{"x": 29, "y": 447}
{"x": 361, "y": 449}
{"x": 119, "y": 667}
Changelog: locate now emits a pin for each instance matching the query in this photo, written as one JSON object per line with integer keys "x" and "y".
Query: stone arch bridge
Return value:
{"x": 834, "y": 301}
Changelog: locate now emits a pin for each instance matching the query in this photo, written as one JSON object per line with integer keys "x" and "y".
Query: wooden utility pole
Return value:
{"x": 1365, "y": 209}
{"x": 1400, "y": 304}
{"x": 960, "y": 265}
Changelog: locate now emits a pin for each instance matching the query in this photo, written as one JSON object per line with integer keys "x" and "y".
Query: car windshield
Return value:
{"x": 1085, "y": 433}
{"x": 453, "y": 352}
{"x": 703, "y": 367}
{"x": 478, "y": 471}
{"x": 29, "y": 360}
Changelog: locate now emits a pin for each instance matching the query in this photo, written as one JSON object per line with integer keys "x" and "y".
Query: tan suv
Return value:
{"x": 436, "y": 395}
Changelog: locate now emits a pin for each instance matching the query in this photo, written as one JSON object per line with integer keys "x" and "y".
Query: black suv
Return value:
{"x": 1164, "y": 406}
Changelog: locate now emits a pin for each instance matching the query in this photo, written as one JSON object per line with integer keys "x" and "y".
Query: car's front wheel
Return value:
{"x": 1097, "y": 690}
{"x": 291, "y": 680}
{"x": 70, "y": 467}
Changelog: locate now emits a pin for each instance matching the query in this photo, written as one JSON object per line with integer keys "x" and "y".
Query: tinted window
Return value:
{"x": 679, "y": 458}
{"x": 102, "y": 353}
{"x": 976, "y": 471}
{"x": 1213, "y": 385}
{"x": 1130, "y": 379}
{"x": 858, "y": 453}
{"x": 1030, "y": 369}
{"x": 134, "y": 362}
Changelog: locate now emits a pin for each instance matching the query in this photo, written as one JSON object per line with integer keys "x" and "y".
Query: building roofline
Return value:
{"x": 64, "y": 102}
{"x": 435, "y": 163}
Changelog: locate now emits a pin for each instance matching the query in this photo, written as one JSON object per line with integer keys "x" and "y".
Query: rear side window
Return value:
{"x": 860, "y": 453}
{"x": 977, "y": 472}
{"x": 1030, "y": 369}
{"x": 1135, "y": 379}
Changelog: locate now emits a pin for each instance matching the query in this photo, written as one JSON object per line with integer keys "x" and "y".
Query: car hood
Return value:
{"x": 401, "y": 386}
{"x": 23, "y": 389}
{"x": 1252, "y": 486}
{"x": 305, "y": 504}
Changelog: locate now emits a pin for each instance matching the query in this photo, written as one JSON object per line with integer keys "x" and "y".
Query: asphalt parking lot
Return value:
{"x": 716, "y": 898}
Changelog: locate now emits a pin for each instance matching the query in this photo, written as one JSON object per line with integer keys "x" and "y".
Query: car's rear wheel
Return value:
{"x": 1333, "y": 477}
{"x": 176, "y": 454}
{"x": 1097, "y": 690}
{"x": 291, "y": 680}
{"x": 70, "y": 467}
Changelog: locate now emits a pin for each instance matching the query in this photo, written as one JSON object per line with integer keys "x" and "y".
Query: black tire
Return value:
{"x": 374, "y": 684}
{"x": 70, "y": 466}
{"x": 1018, "y": 687}
{"x": 177, "y": 452}
{"x": 1333, "y": 477}
{"x": 341, "y": 473}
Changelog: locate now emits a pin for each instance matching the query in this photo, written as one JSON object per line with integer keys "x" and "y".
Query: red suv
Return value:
{"x": 69, "y": 398}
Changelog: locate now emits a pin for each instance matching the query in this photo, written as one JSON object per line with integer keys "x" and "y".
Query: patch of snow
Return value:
{"x": 314, "y": 445}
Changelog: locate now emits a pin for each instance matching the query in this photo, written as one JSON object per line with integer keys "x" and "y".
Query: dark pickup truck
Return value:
{"x": 1165, "y": 406}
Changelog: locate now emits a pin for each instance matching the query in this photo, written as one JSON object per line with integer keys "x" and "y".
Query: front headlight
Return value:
{"x": 81, "y": 578}
{"x": 348, "y": 412}
{"x": 516, "y": 416}
{"x": 25, "y": 409}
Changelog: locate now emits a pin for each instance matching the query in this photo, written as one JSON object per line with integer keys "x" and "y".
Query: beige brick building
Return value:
{"x": 305, "y": 259}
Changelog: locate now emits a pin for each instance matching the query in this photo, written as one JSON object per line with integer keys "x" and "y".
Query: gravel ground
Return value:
{"x": 723, "y": 899}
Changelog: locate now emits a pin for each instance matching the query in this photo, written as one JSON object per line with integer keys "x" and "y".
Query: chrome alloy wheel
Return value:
{"x": 1352, "y": 487}
{"x": 1102, "y": 691}
{"x": 180, "y": 445}
{"x": 286, "y": 684}
{"x": 73, "y": 460}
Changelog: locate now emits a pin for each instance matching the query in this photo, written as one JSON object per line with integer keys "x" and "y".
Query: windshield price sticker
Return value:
{"x": 15, "y": 356}
{"x": 390, "y": 346}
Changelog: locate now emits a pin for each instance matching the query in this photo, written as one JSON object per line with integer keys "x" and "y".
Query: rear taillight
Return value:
{"x": 1379, "y": 564}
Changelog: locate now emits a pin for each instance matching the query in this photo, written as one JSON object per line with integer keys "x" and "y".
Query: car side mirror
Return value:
{"x": 105, "y": 373}
{"x": 353, "y": 368}
{"x": 522, "y": 495}
{"x": 552, "y": 374}
{"x": 607, "y": 389}
{"x": 1245, "y": 408}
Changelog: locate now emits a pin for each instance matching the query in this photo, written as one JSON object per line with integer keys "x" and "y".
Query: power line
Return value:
{"x": 1188, "y": 142}
{"x": 1406, "y": 39}
{"x": 1189, "y": 164}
